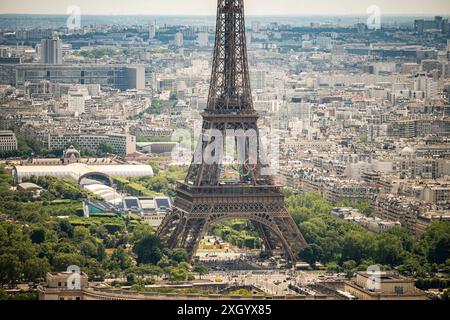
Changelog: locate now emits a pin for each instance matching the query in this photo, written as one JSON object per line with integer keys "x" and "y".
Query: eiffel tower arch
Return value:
{"x": 208, "y": 196}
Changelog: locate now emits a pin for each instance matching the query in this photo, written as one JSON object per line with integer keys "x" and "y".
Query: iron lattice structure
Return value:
{"x": 203, "y": 199}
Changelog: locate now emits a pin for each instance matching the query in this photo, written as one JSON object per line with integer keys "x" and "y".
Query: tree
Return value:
{"x": 105, "y": 148}
{"x": 158, "y": 184}
{"x": 439, "y": 250}
{"x": 140, "y": 231}
{"x": 35, "y": 269}
{"x": 177, "y": 274}
{"x": 201, "y": 269}
{"x": 3, "y": 294}
{"x": 311, "y": 254}
{"x": 94, "y": 269}
{"x": 349, "y": 266}
{"x": 413, "y": 265}
{"x": 89, "y": 249}
{"x": 148, "y": 250}
{"x": 178, "y": 255}
{"x": 389, "y": 250}
{"x": 333, "y": 267}
{"x": 38, "y": 235}
{"x": 99, "y": 231}
{"x": 61, "y": 261}
{"x": 166, "y": 263}
{"x": 65, "y": 229}
{"x": 147, "y": 270}
{"x": 120, "y": 260}
{"x": 357, "y": 246}
{"x": 10, "y": 269}
{"x": 131, "y": 277}
{"x": 80, "y": 234}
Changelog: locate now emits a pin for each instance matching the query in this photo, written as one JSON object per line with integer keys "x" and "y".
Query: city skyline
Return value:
{"x": 184, "y": 158}
{"x": 207, "y": 7}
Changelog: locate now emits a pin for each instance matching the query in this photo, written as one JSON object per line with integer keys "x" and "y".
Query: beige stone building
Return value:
{"x": 8, "y": 141}
{"x": 64, "y": 286}
{"x": 383, "y": 286}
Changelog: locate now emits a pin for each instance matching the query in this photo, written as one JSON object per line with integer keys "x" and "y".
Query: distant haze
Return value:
{"x": 207, "y": 7}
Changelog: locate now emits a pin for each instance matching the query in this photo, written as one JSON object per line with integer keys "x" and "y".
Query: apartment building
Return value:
{"x": 123, "y": 143}
{"x": 8, "y": 141}
{"x": 397, "y": 208}
{"x": 121, "y": 77}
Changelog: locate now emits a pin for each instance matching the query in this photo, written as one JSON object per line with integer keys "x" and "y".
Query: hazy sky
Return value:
{"x": 207, "y": 7}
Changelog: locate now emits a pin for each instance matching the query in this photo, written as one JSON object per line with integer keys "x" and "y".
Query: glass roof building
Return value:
{"x": 79, "y": 171}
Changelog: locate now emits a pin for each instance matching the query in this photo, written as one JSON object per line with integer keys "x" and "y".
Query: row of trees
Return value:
{"x": 56, "y": 188}
{"x": 33, "y": 241}
{"x": 345, "y": 246}
{"x": 58, "y": 198}
{"x": 242, "y": 234}
{"x": 159, "y": 106}
{"x": 162, "y": 182}
{"x": 29, "y": 251}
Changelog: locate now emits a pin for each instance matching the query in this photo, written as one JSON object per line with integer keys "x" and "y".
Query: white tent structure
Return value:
{"x": 106, "y": 193}
{"x": 77, "y": 171}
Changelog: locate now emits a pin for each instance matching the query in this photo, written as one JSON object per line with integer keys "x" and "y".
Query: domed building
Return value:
{"x": 71, "y": 155}
{"x": 82, "y": 171}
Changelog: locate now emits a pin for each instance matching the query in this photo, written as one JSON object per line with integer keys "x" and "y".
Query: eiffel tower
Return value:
{"x": 208, "y": 195}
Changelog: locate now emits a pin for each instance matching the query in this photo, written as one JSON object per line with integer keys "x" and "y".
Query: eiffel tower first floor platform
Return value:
{"x": 197, "y": 209}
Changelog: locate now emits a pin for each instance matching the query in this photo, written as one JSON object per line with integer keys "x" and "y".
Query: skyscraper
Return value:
{"x": 152, "y": 30}
{"x": 179, "y": 39}
{"x": 51, "y": 50}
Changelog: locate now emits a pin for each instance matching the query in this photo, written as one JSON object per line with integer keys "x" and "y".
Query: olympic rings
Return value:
{"x": 243, "y": 170}
{"x": 248, "y": 162}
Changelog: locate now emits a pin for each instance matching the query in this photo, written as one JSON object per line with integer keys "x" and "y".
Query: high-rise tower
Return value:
{"x": 51, "y": 50}
{"x": 217, "y": 188}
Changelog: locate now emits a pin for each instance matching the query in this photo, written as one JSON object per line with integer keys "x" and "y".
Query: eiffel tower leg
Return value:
{"x": 174, "y": 238}
{"x": 169, "y": 230}
{"x": 293, "y": 238}
{"x": 193, "y": 234}
{"x": 278, "y": 225}
{"x": 264, "y": 233}
{"x": 286, "y": 245}
{"x": 163, "y": 227}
